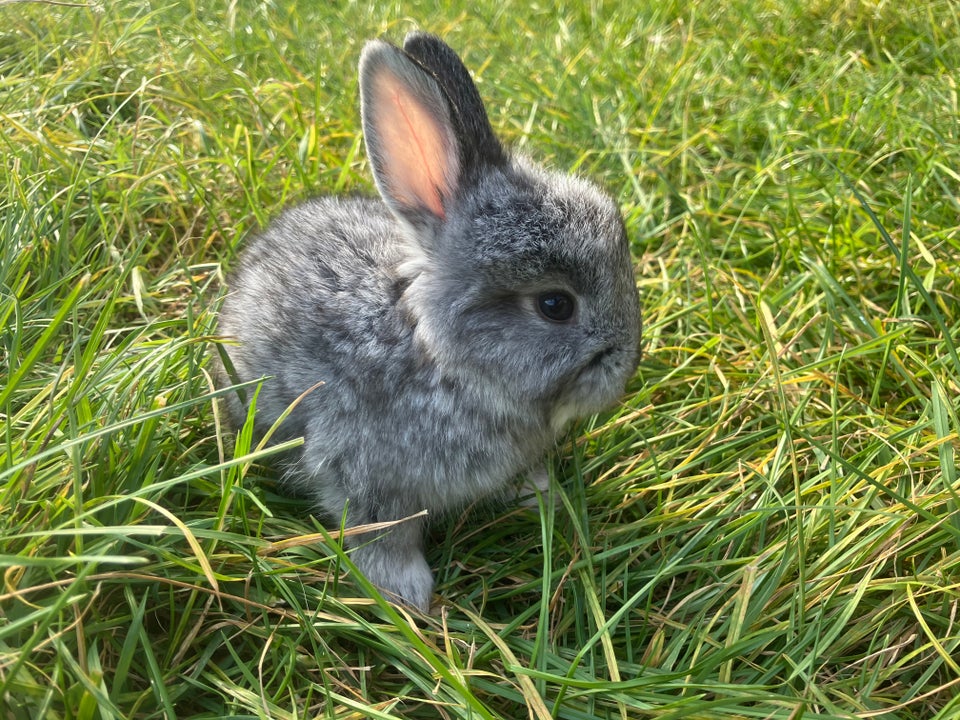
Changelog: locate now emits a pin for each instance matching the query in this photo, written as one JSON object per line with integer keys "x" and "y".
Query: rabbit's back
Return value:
{"x": 315, "y": 296}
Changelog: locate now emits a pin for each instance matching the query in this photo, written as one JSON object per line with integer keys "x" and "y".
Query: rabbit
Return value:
{"x": 450, "y": 330}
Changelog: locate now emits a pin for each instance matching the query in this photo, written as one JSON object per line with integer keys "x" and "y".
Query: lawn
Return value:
{"x": 768, "y": 526}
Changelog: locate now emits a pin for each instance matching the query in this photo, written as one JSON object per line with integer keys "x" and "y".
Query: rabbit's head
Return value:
{"x": 519, "y": 280}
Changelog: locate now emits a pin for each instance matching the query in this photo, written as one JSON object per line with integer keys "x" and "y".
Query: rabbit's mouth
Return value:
{"x": 601, "y": 376}
{"x": 605, "y": 365}
{"x": 596, "y": 386}
{"x": 599, "y": 358}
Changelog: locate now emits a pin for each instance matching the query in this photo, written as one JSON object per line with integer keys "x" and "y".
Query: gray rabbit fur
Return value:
{"x": 457, "y": 325}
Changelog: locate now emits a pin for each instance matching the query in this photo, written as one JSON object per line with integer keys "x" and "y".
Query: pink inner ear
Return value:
{"x": 417, "y": 149}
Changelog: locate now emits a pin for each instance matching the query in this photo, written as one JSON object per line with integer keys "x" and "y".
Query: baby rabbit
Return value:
{"x": 456, "y": 326}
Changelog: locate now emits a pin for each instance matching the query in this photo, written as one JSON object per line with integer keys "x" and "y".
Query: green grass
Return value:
{"x": 768, "y": 527}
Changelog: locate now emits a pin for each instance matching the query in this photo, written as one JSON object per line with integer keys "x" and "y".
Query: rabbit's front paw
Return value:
{"x": 401, "y": 573}
{"x": 535, "y": 484}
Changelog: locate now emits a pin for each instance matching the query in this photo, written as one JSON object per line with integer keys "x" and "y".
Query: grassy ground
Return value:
{"x": 767, "y": 528}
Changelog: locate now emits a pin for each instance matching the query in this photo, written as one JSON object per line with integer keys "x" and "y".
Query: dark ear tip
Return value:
{"x": 418, "y": 38}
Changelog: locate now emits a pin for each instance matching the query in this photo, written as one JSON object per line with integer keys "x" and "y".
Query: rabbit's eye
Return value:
{"x": 556, "y": 306}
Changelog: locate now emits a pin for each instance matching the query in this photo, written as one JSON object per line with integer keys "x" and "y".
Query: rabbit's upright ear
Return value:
{"x": 479, "y": 147}
{"x": 410, "y": 135}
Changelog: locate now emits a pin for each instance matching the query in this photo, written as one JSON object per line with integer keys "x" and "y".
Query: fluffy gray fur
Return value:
{"x": 442, "y": 380}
